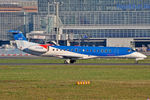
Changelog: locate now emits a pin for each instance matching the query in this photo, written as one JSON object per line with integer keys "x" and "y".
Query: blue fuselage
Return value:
{"x": 97, "y": 51}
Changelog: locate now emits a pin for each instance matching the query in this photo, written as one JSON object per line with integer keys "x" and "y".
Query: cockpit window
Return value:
{"x": 130, "y": 50}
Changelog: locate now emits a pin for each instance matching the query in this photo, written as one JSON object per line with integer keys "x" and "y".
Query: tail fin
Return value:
{"x": 21, "y": 41}
{"x": 18, "y": 35}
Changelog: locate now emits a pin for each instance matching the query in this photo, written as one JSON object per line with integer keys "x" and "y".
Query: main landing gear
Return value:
{"x": 69, "y": 61}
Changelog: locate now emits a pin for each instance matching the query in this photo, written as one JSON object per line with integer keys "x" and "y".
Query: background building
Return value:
{"x": 81, "y": 22}
{"x": 17, "y": 15}
{"x": 99, "y": 22}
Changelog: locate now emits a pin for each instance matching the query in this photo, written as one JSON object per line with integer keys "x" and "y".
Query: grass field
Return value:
{"x": 50, "y": 60}
{"x": 58, "y": 82}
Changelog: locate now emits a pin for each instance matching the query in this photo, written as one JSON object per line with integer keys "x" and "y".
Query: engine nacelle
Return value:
{"x": 39, "y": 49}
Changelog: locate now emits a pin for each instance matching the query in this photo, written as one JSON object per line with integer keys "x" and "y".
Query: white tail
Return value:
{"x": 21, "y": 44}
{"x": 21, "y": 41}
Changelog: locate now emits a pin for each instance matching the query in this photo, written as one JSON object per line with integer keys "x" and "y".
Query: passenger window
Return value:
{"x": 109, "y": 51}
{"x": 53, "y": 49}
{"x": 76, "y": 50}
{"x": 97, "y": 50}
{"x": 105, "y": 50}
{"x": 90, "y": 50}
{"x": 71, "y": 49}
{"x": 79, "y": 50}
{"x": 87, "y": 50}
{"x": 102, "y": 50}
{"x": 67, "y": 49}
{"x": 94, "y": 50}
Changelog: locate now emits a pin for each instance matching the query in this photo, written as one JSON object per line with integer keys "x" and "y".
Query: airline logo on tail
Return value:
{"x": 18, "y": 35}
{"x": 27, "y": 46}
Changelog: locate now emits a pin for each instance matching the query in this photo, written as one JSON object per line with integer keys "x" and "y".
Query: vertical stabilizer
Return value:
{"x": 20, "y": 39}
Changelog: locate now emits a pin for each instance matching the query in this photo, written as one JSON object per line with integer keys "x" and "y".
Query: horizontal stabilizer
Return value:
{"x": 18, "y": 35}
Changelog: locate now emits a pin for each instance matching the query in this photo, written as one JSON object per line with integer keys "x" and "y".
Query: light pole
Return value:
{"x": 57, "y": 4}
{"x": 56, "y": 9}
{"x": 24, "y": 20}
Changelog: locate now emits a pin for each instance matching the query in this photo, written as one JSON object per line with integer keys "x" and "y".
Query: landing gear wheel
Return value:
{"x": 72, "y": 61}
{"x": 67, "y": 61}
{"x": 137, "y": 60}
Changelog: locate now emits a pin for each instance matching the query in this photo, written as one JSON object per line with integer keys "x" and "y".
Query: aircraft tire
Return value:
{"x": 67, "y": 61}
{"x": 72, "y": 61}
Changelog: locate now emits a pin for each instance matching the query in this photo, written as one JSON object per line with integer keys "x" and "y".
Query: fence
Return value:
{"x": 12, "y": 52}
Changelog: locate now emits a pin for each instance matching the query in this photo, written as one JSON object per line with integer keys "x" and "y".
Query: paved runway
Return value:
{"x": 77, "y": 64}
{"x": 82, "y": 64}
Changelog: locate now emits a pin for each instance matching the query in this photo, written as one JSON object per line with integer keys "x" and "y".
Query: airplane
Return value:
{"x": 73, "y": 53}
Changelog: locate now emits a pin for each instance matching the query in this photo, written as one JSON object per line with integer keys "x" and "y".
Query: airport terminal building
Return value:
{"x": 87, "y": 22}
{"x": 16, "y": 15}
{"x": 103, "y": 22}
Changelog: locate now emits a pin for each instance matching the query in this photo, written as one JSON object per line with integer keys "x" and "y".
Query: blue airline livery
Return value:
{"x": 73, "y": 53}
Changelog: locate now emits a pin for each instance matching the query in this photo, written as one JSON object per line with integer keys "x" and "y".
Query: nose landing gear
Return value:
{"x": 137, "y": 60}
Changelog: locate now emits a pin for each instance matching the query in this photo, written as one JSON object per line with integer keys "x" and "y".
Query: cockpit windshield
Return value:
{"x": 131, "y": 50}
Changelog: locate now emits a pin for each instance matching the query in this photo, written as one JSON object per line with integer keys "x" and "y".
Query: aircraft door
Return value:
{"x": 48, "y": 48}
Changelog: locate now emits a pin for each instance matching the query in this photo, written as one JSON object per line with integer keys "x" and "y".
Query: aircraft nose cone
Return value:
{"x": 144, "y": 56}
